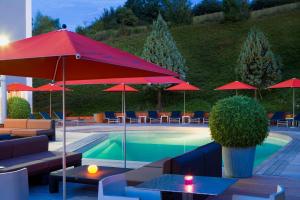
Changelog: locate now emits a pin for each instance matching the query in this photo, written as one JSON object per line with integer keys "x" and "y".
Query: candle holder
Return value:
{"x": 188, "y": 180}
{"x": 92, "y": 169}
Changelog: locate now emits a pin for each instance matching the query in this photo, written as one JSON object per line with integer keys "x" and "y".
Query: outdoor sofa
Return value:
{"x": 203, "y": 161}
{"x": 29, "y": 128}
{"x": 33, "y": 154}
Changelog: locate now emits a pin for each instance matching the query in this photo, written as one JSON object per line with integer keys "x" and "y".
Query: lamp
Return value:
{"x": 4, "y": 40}
{"x": 92, "y": 169}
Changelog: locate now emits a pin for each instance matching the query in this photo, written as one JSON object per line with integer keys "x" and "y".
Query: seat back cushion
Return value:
{"x": 15, "y": 123}
{"x": 31, "y": 145}
{"x": 6, "y": 150}
{"x": 39, "y": 124}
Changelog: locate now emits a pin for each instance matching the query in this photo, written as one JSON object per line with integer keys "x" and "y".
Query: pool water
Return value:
{"x": 149, "y": 146}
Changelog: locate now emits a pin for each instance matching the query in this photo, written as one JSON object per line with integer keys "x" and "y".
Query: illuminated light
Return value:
{"x": 92, "y": 169}
{"x": 188, "y": 180}
{"x": 189, "y": 188}
{"x": 4, "y": 40}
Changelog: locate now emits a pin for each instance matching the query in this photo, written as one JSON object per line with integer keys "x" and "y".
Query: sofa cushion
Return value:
{"x": 15, "y": 123}
{"x": 25, "y": 132}
{"x": 39, "y": 124}
{"x": 6, "y": 150}
{"x": 6, "y": 130}
{"x": 31, "y": 145}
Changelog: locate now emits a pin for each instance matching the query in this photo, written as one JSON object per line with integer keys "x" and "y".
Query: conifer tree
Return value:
{"x": 257, "y": 64}
{"x": 160, "y": 48}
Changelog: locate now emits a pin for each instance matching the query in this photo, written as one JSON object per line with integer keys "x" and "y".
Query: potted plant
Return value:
{"x": 239, "y": 124}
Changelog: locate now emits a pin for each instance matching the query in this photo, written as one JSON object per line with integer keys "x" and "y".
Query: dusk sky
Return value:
{"x": 75, "y": 12}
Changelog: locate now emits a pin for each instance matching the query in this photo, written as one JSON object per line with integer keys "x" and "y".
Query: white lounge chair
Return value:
{"x": 279, "y": 195}
{"x": 14, "y": 185}
{"x": 115, "y": 188}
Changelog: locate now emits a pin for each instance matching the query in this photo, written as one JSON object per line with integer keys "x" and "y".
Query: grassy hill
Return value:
{"x": 211, "y": 51}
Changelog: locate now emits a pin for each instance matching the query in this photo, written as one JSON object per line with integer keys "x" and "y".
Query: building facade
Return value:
{"x": 15, "y": 24}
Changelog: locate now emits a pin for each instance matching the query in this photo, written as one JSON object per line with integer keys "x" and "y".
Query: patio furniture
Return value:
{"x": 59, "y": 116}
{"x": 32, "y": 153}
{"x": 279, "y": 195}
{"x": 142, "y": 119}
{"x": 202, "y": 185}
{"x": 14, "y": 185}
{"x": 153, "y": 116}
{"x": 29, "y": 128}
{"x": 297, "y": 120}
{"x": 279, "y": 119}
{"x": 5, "y": 137}
{"x": 131, "y": 116}
{"x": 111, "y": 117}
{"x": 198, "y": 117}
{"x": 31, "y": 116}
{"x": 186, "y": 119}
{"x": 80, "y": 175}
{"x": 115, "y": 188}
{"x": 45, "y": 115}
{"x": 175, "y": 117}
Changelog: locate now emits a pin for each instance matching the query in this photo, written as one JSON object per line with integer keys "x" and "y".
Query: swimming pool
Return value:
{"x": 149, "y": 146}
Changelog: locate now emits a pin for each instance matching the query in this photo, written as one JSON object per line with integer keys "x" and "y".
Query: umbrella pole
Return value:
{"x": 124, "y": 140}
{"x": 236, "y": 92}
{"x": 183, "y": 102}
{"x": 64, "y": 131}
{"x": 50, "y": 106}
{"x": 293, "y": 106}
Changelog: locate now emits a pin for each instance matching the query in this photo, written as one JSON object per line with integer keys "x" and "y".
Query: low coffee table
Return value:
{"x": 80, "y": 175}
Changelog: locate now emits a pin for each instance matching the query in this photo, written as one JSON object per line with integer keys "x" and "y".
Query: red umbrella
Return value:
{"x": 291, "y": 83}
{"x": 121, "y": 88}
{"x": 236, "y": 85}
{"x": 50, "y": 88}
{"x": 63, "y": 55}
{"x": 183, "y": 87}
{"x": 19, "y": 87}
{"x": 133, "y": 80}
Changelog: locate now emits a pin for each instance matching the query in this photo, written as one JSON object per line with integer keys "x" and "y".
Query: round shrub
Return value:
{"x": 18, "y": 108}
{"x": 238, "y": 122}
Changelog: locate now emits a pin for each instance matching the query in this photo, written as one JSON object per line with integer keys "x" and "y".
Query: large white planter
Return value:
{"x": 238, "y": 162}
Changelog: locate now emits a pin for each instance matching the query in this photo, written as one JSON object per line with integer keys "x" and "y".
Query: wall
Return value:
{"x": 15, "y": 24}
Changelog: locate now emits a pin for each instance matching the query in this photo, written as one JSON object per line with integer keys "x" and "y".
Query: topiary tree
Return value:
{"x": 18, "y": 108}
{"x": 160, "y": 48}
{"x": 235, "y": 10}
{"x": 257, "y": 64}
{"x": 238, "y": 122}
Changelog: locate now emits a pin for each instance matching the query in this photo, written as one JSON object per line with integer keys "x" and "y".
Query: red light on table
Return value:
{"x": 189, "y": 188}
{"x": 188, "y": 180}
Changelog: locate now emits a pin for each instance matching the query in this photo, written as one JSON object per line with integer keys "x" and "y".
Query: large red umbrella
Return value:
{"x": 63, "y": 55}
{"x": 132, "y": 80}
{"x": 50, "y": 88}
{"x": 236, "y": 85}
{"x": 15, "y": 87}
{"x": 183, "y": 87}
{"x": 291, "y": 83}
{"x": 123, "y": 88}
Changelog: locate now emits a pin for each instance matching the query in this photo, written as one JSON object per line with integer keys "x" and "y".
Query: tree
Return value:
{"x": 126, "y": 17}
{"x": 44, "y": 24}
{"x": 160, "y": 48}
{"x": 178, "y": 11}
{"x": 145, "y": 10}
{"x": 257, "y": 64}
{"x": 235, "y": 10}
{"x": 207, "y": 6}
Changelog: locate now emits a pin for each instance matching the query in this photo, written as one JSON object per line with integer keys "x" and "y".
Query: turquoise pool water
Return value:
{"x": 149, "y": 146}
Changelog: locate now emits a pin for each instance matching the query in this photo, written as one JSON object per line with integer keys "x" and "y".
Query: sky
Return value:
{"x": 75, "y": 12}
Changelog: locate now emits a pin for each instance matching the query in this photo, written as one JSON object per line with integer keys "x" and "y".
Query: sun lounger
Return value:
{"x": 279, "y": 119}
{"x": 111, "y": 117}
{"x": 45, "y": 115}
{"x": 175, "y": 117}
{"x": 153, "y": 116}
{"x": 297, "y": 120}
{"x": 31, "y": 116}
{"x": 198, "y": 117}
{"x": 131, "y": 116}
